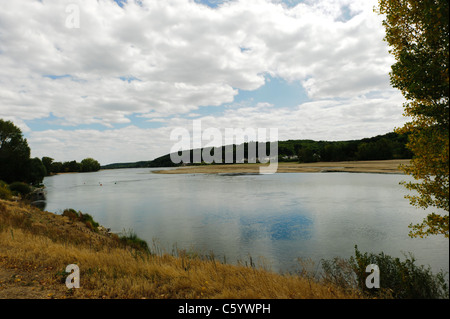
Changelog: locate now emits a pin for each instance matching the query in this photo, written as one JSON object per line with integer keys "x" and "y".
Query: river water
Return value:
{"x": 275, "y": 219}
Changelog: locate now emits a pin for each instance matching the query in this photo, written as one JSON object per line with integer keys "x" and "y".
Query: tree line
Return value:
{"x": 86, "y": 165}
{"x": 382, "y": 147}
{"x": 16, "y": 164}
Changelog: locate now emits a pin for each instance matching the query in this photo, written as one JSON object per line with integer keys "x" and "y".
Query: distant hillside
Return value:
{"x": 126, "y": 165}
{"x": 380, "y": 147}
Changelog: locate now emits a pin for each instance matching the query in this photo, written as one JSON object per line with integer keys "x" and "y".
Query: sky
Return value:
{"x": 112, "y": 79}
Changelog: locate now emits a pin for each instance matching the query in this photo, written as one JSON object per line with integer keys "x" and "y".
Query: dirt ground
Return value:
{"x": 20, "y": 281}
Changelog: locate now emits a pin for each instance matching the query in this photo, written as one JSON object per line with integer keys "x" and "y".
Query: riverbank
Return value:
{"x": 380, "y": 167}
{"x": 36, "y": 246}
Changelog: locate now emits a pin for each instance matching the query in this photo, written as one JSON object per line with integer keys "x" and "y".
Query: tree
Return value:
{"x": 47, "y": 161}
{"x": 71, "y": 166}
{"x": 378, "y": 150}
{"x": 306, "y": 154}
{"x": 36, "y": 171}
{"x": 14, "y": 153}
{"x": 56, "y": 167}
{"x": 89, "y": 165}
{"x": 418, "y": 34}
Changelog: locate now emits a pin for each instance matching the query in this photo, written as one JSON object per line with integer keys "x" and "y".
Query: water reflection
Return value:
{"x": 279, "y": 227}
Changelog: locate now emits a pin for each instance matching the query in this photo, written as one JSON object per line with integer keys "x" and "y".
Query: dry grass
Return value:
{"x": 387, "y": 166}
{"x": 36, "y": 246}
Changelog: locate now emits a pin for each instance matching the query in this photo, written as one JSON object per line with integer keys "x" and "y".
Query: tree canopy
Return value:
{"x": 86, "y": 165}
{"x": 89, "y": 165}
{"x": 418, "y": 35}
{"x": 15, "y": 161}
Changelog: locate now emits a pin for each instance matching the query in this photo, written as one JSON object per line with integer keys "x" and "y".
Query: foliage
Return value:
{"x": 398, "y": 279}
{"x": 56, "y": 167}
{"x": 47, "y": 162}
{"x": 89, "y": 221}
{"x": 378, "y": 150}
{"x": 140, "y": 164}
{"x": 15, "y": 161}
{"x": 129, "y": 238}
{"x": 382, "y": 147}
{"x": 36, "y": 171}
{"x": 71, "y": 213}
{"x": 71, "y": 166}
{"x": 307, "y": 154}
{"x": 89, "y": 165}
{"x": 85, "y": 218}
{"x": 418, "y": 34}
{"x": 20, "y": 188}
{"x": 14, "y": 153}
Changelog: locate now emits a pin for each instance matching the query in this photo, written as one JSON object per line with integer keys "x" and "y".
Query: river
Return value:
{"x": 275, "y": 219}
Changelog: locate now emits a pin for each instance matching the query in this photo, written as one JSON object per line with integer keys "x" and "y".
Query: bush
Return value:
{"x": 398, "y": 279}
{"x": 129, "y": 238}
{"x": 20, "y": 188}
{"x": 87, "y": 219}
{"x": 5, "y": 192}
{"x": 71, "y": 213}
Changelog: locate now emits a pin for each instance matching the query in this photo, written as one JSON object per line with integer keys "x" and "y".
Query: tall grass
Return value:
{"x": 130, "y": 238}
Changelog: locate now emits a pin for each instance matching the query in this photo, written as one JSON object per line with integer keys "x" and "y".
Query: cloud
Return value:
{"x": 165, "y": 60}
{"x": 185, "y": 55}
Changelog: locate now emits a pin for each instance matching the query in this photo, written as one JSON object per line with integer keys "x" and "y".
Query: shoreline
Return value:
{"x": 36, "y": 247}
{"x": 379, "y": 167}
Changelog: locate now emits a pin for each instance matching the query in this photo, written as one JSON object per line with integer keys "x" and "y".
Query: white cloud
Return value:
{"x": 180, "y": 46}
{"x": 170, "y": 58}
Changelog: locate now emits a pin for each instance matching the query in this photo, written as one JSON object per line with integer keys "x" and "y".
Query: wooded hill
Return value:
{"x": 381, "y": 147}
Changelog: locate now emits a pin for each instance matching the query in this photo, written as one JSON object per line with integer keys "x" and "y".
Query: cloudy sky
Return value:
{"x": 112, "y": 79}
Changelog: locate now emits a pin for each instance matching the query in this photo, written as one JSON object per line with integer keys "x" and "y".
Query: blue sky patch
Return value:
{"x": 129, "y": 79}
{"x": 276, "y": 91}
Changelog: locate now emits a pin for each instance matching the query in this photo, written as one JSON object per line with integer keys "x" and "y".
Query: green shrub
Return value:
{"x": 71, "y": 213}
{"x": 20, "y": 188}
{"x": 398, "y": 279}
{"x": 87, "y": 219}
{"x": 129, "y": 238}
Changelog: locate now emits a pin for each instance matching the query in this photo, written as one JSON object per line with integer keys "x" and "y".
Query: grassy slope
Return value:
{"x": 36, "y": 246}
